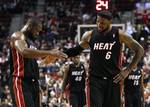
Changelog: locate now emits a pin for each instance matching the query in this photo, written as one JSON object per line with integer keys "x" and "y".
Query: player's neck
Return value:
{"x": 77, "y": 64}
{"x": 25, "y": 29}
{"x": 27, "y": 32}
{"x": 104, "y": 32}
{"x": 135, "y": 69}
{"x": 28, "y": 35}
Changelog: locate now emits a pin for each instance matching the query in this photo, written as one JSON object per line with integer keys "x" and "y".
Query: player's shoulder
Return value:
{"x": 87, "y": 35}
{"x": 89, "y": 32}
{"x": 18, "y": 35}
{"x": 124, "y": 37}
{"x": 123, "y": 33}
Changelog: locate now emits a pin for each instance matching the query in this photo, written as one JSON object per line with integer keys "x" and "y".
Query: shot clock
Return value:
{"x": 102, "y": 5}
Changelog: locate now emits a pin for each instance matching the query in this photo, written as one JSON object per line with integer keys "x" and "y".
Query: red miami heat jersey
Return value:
{"x": 23, "y": 67}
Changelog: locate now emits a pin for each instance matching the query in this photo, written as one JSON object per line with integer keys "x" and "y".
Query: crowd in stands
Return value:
{"x": 60, "y": 20}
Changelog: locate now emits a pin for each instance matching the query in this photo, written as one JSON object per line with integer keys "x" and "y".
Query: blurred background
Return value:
{"x": 60, "y": 19}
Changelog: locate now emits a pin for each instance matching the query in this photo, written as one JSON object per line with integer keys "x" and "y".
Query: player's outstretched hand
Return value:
{"x": 48, "y": 59}
{"x": 57, "y": 53}
{"x": 122, "y": 75}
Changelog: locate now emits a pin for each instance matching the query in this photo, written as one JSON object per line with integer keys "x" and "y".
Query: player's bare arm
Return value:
{"x": 83, "y": 44}
{"x": 142, "y": 87}
{"x": 136, "y": 48}
{"x": 65, "y": 69}
{"x": 19, "y": 43}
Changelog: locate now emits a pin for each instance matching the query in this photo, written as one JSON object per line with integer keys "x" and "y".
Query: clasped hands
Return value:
{"x": 54, "y": 54}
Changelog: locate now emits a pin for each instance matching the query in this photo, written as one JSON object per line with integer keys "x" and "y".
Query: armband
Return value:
{"x": 72, "y": 52}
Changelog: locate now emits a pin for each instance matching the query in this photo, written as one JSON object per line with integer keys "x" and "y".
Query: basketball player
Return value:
{"x": 24, "y": 77}
{"x": 134, "y": 89}
{"x": 105, "y": 74}
{"x": 74, "y": 78}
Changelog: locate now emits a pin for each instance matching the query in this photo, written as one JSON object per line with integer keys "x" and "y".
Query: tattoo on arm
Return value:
{"x": 134, "y": 46}
{"x": 138, "y": 50}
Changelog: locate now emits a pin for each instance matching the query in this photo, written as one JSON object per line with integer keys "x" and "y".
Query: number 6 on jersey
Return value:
{"x": 108, "y": 55}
